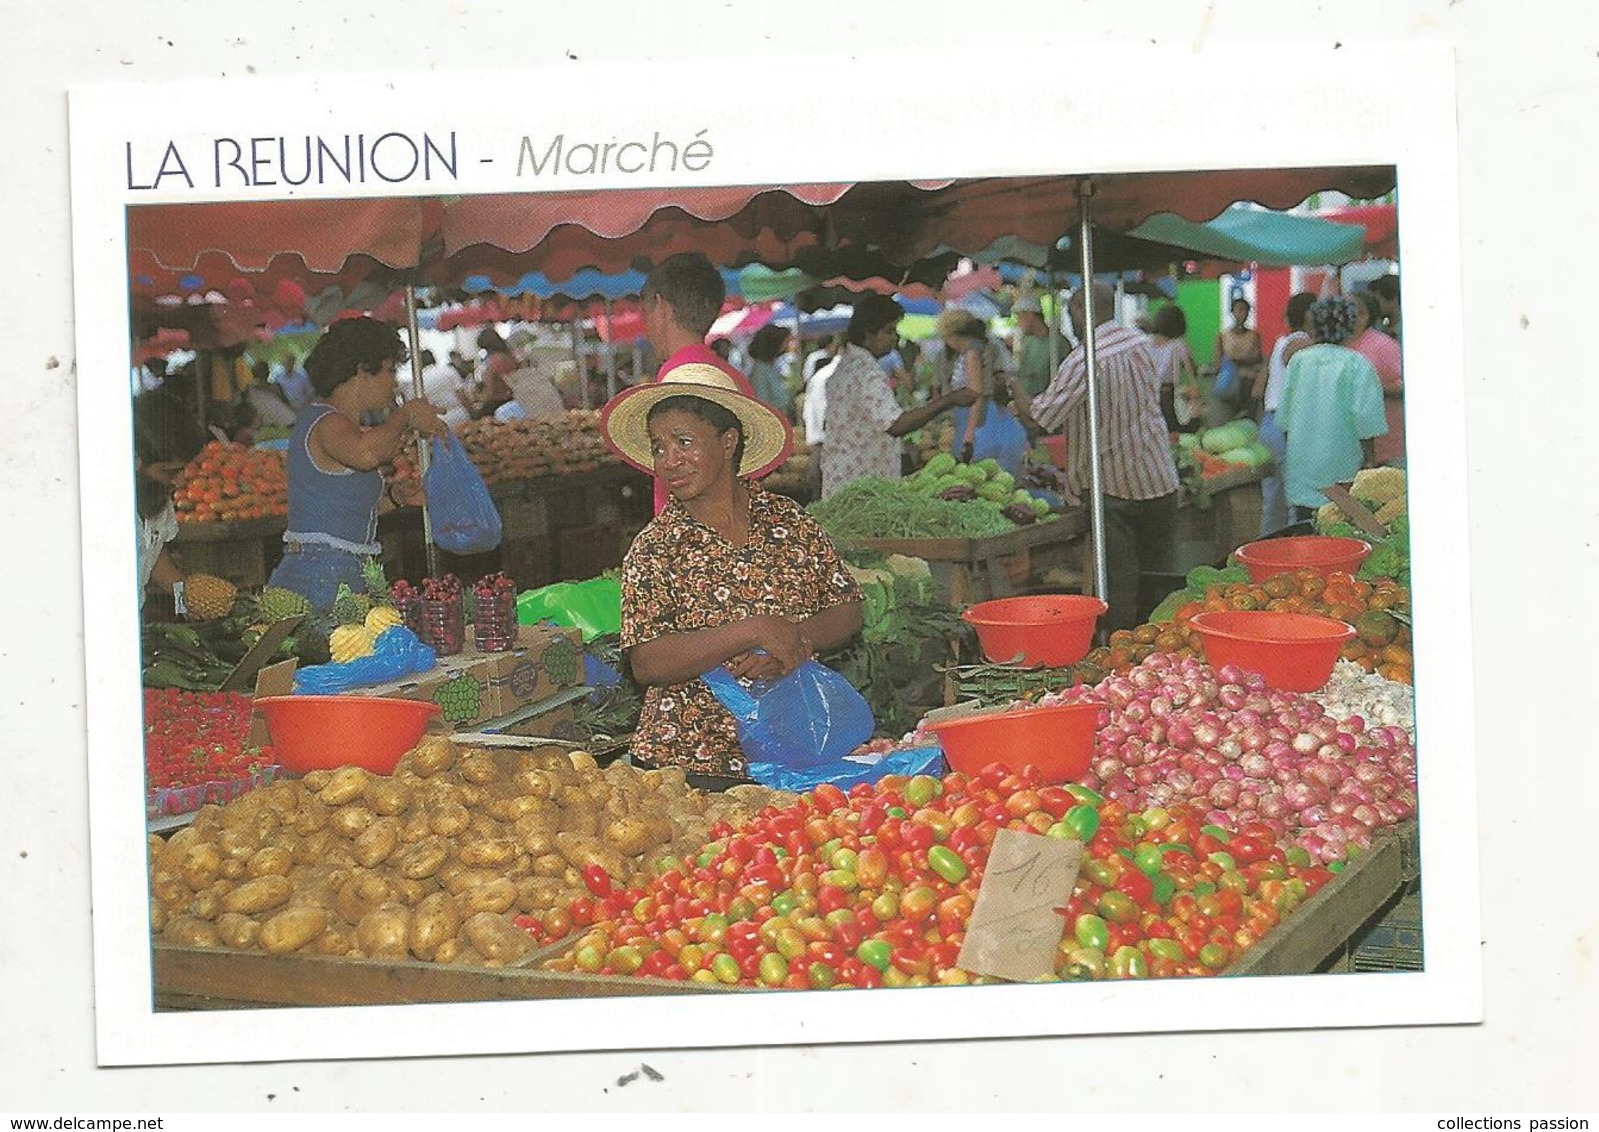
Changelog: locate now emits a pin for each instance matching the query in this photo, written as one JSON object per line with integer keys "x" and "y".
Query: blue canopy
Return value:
{"x": 585, "y": 284}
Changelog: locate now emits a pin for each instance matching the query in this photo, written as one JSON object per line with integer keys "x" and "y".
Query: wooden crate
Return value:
{"x": 188, "y": 978}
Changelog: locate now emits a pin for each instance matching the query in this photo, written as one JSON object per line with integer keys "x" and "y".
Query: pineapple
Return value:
{"x": 278, "y": 604}
{"x": 377, "y": 586}
{"x": 347, "y": 642}
{"x": 207, "y": 597}
{"x": 381, "y": 617}
{"x": 350, "y": 608}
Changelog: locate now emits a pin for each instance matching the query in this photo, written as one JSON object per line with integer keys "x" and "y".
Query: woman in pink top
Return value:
{"x": 1382, "y": 352}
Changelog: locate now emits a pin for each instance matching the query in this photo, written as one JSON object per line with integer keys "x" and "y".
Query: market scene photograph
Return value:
{"x": 806, "y": 587}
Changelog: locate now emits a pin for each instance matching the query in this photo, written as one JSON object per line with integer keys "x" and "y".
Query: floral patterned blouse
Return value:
{"x": 680, "y": 575}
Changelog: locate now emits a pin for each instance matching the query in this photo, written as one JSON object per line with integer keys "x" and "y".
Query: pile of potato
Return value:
{"x": 431, "y": 863}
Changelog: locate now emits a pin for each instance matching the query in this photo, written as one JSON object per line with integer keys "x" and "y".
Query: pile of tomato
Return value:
{"x": 875, "y": 887}
{"x": 192, "y": 738}
{"x": 1377, "y": 609}
{"x": 227, "y": 482}
{"x": 1162, "y": 894}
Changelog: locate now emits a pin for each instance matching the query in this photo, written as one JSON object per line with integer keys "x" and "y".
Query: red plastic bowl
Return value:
{"x": 1058, "y": 740}
{"x": 1293, "y": 651}
{"x": 1045, "y": 631}
{"x": 327, "y": 732}
{"x": 1321, "y": 553}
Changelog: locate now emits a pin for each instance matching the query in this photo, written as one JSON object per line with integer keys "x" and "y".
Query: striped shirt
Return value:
{"x": 1135, "y": 448}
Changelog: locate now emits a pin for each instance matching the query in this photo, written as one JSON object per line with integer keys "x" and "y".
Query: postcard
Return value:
{"x": 272, "y": 209}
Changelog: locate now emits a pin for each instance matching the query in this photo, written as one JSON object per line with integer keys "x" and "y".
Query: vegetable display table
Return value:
{"x": 242, "y": 552}
{"x": 189, "y": 978}
{"x": 1226, "y": 510}
{"x": 975, "y": 569}
{"x": 1321, "y": 930}
{"x": 194, "y": 978}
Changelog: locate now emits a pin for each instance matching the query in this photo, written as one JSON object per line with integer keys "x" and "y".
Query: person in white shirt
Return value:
{"x": 445, "y": 390}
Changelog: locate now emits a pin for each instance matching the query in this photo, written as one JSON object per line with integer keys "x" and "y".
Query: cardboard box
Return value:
{"x": 474, "y": 687}
{"x": 548, "y": 659}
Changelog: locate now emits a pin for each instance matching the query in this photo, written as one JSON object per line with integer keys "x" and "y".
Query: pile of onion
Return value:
{"x": 1176, "y": 730}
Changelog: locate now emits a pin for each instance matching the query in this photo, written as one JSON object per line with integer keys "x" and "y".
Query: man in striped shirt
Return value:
{"x": 1137, "y": 470}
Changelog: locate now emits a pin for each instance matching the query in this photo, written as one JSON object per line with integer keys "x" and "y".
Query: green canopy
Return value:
{"x": 758, "y": 283}
{"x": 1258, "y": 235}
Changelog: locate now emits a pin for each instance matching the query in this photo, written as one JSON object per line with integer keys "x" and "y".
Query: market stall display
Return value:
{"x": 1214, "y": 809}
{"x": 435, "y": 862}
{"x": 198, "y": 749}
{"x": 528, "y": 449}
{"x": 228, "y": 482}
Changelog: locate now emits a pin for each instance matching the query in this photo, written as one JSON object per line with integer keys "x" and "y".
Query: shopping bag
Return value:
{"x": 1229, "y": 389}
{"x": 461, "y": 513}
{"x": 1001, "y": 437}
{"x": 847, "y": 772}
{"x": 593, "y": 606}
{"x": 396, "y": 654}
{"x": 808, "y": 718}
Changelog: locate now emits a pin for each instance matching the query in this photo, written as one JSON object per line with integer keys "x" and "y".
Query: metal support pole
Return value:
{"x": 577, "y": 352}
{"x": 1096, "y": 502}
{"x": 610, "y": 354}
{"x": 414, "y": 330}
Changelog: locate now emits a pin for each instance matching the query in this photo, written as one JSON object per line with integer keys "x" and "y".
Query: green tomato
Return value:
{"x": 1297, "y": 856}
{"x": 1225, "y": 860}
{"x": 1147, "y": 857}
{"x": 1164, "y": 888}
{"x": 1083, "y": 794}
{"x": 1118, "y": 907}
{"x": 922, "y": 789}
{"x": 885, "y": 906}
{"x": 725, "y": 968}
{"x": 1101, "y": 872}
{"x": 946, "y": 863}
{"x": 1091, "y": 931}
{"x": 1083, "y": 821}
{"x": 1217, "y": 832}
{"x": 1166, "y": 949}
{"x": 1213, "y": 955}
{"x": 773, "y": 969}
{"x": 783, "y": 903}
{"x": 789, "y": 943}
{"x": 875, "y": 953}
{"x": 1233, "y": 880}
{"x": 1128, "y": 963}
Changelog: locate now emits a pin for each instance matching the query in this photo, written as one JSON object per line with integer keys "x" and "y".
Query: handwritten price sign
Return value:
{"x": 1014, "y": 928}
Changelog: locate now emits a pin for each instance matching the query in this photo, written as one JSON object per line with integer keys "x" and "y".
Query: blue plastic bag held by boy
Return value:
{"x": 808, "y": 718}
{"x": 460, "y": 509}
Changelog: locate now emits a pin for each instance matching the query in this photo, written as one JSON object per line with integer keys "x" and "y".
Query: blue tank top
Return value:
{"x": 338, "y": 509}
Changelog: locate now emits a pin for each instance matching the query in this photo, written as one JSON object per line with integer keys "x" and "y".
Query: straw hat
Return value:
{"x": 768, "y": 438}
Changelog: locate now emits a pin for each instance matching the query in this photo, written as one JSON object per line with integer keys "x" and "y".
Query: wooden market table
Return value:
{"x": 189, "y": 978}
{"x": 1225, "y": 511}
{"x": 976, "y": 569}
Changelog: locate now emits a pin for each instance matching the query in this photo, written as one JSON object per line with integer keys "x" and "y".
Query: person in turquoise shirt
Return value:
{"x": 1331, "y": 408}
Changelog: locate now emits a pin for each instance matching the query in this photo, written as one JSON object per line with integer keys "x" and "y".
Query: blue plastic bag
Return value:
{"x": 1001, "y": 437}
{"x": 396, "y": 653}
{"x": 460, "y": 509}
{"x": 1229, "y": 388}
{"x": 845, "y": 773}
{"x": 808, "y": 718}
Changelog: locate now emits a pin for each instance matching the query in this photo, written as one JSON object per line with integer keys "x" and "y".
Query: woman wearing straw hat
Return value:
{"x": 727, "y": 574}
